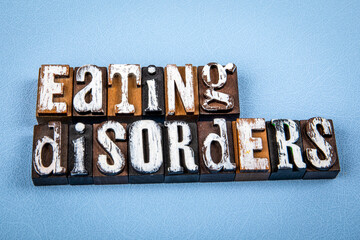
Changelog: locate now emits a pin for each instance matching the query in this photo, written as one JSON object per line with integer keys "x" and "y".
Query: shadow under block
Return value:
{"x": 153, "y": 93}
{"x": 120, "y": 177}
{"x": 148, "y": 144}
{"x": 276, "y": 174}
{"x": 81, "y": 83}
{"x": 204, "y": 129}
{"x": 215, "y": 108}
{"x": 180, "y": 110}
{"x": 115, "y": 97}
{"x": 243, "y": 174}
{"x": 50, "y": 146}
{"x": 55, "y": 88}
{"x": 191, "y": 144}
{"x": 311, "y": 171}
{"x": 80, "y": 160}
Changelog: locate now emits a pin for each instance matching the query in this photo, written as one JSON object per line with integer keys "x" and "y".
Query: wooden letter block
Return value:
{"x": 80, "y": 160}
{"x": 49, "y": 158}
{"x": 124, "y": 92}
{"x": 146, "y": 152}
{"x": 320, "y": 151}
{"x": 218, "y": 91}
{"x": 181, "y": 151}
{"x": 181, "y": 92}
{"x": 90, "y": 94}
{"x": 285, "y": 148}
{"x": 110, "y": 153}
{"x": 153, "y": 93}
{"x": 217, "y": 163}
{"x": 54, "y": 98}
{"x": 251, "y": 149}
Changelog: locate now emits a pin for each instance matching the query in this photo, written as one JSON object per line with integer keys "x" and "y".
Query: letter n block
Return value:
{"x": 50, "y": 150}
{"x": 110, "y": 153}
{"x": 181, "y": 93}
{"x": 55, "y": 89}
{"x": 320, "y": 151}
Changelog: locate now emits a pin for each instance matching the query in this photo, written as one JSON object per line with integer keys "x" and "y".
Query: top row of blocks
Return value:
{"x": 128, "y": 92}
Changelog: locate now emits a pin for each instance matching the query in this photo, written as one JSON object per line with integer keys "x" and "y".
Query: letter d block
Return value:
{"x": 320, "y": 151}
{"x": 49, "y": 158}
{"x": 216, "y": 150}
{"x": 110, "y": 153}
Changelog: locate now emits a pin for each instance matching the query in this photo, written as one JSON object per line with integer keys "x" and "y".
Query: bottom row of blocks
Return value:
{"x": 176, "y": 151}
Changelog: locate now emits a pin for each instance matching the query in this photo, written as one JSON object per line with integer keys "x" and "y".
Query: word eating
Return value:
{"x": 127, "y": 124}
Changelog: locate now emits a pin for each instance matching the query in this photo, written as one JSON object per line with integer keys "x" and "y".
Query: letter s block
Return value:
{"x": 319, "y": 146}
{"x": 49, "y": 158}
{"x": 55, "y": 89}
{"x": 110, "y": 153}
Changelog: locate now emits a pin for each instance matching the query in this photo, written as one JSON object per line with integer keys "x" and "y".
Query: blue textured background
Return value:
{"x": 295, "y": 60}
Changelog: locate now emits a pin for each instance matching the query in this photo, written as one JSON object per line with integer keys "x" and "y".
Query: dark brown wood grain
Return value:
{"x": 47, "y": 153}
{"x": 204, "y": 129}
{"x": 311, "y": 171}
{"x": 99, "y": 177}
{"x": 230, "y": 87}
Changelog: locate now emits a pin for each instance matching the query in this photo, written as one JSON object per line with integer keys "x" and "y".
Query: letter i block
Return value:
{"x": 90, "y": 94}
{"x": 80, "y": 158}
{"x": 153, "y": 93}
{"x": 218, "y": 91}
{"x": 124, "y": 92}
{"x": 50, "y": 149}
{"x": 54, "y": 98}
{"x": 320, "y": 151}
{"x": 285, "y": 148}
{"x": 181, "y": 93}
{"x": 110, "y": 153}
{"x": 216, "y": 149}
{"x": 146, "y": 164}
{"x": 181, "y": 152}
{"x": 251, "y": 149}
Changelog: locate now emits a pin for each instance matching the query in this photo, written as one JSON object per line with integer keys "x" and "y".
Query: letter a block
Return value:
{"x": 54, "y": 98}
{"x": 320, "y": 151}
{"x": 50, "y": 149}
{"x": 110, "y": 153}
{"x": 216, "y": 149}
{"x": 90, "y": 94}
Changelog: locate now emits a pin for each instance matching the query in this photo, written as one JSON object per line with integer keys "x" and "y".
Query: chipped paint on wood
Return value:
{"x": 94, "y": 88}
{"x": 248, "y": 144}
{"x": 49, "y": 88}
{"x": 175, "y": 145}
{"x": 211, "y": 94}
{"x": 185, "y": 90}
{"x": 153, "y": 102}
{"x": 124, "y": 70}
{"x": 282, "y": 143}
{"x": 222, "y": 139}
{"x": 317, "y": 138}
{"x": 79, "y": 157}
{"x": 55, "y": 142}
{"x": 136, "y": 146}
{"x": 118, "y": 158}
